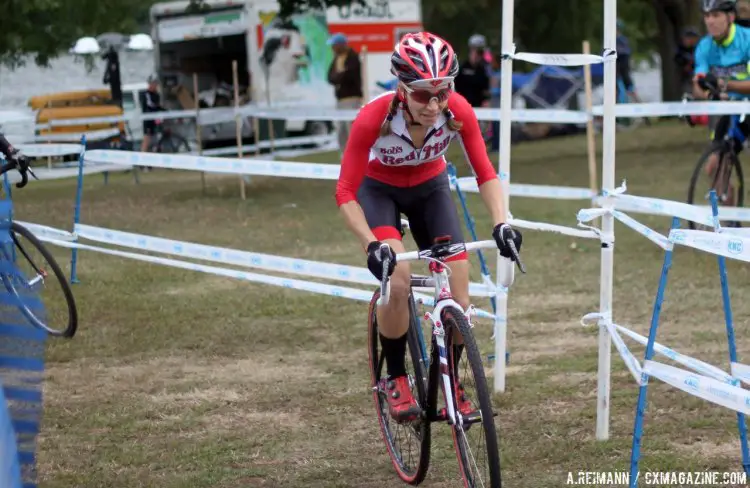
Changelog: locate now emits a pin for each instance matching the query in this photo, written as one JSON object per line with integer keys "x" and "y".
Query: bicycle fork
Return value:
{"x": 445, "y": 369}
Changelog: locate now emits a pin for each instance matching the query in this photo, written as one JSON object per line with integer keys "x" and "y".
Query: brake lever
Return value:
{"x": 516, "y": 255}
{"x": 384, "y": 283}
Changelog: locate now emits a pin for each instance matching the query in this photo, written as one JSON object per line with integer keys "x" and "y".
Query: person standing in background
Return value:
{"x": 473, "y": 81}
{"x": 495, "y": 100}
{"x": 150, "y": 103}
{"x": 685, "y": 57}
{"x": 112, "y": 75}
{"x": 345, "y": 74}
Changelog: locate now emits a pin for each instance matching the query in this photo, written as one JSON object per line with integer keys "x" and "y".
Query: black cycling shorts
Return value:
{"x": 429, "y": 207}
{"x": 149, "y": 127}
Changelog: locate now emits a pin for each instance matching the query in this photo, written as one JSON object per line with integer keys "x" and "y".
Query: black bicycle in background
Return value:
{"x": 720, "y": 163}
{"x": 30, "y": 282}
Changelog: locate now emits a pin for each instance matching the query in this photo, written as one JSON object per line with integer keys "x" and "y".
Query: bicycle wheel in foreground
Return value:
{"x": 726, "y": 179}
{"x": 34, "y": 262}
{"x": 408, "y": 443}
{"x": 476, "y": 439}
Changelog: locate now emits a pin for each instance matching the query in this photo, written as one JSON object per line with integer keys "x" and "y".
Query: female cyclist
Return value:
{"x": 393, "y": 164}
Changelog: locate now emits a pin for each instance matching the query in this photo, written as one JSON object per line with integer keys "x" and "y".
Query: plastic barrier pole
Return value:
{"x": 77, "y": 211}
{"x": 608, "y": 226}
{"x": 503, "y": 266}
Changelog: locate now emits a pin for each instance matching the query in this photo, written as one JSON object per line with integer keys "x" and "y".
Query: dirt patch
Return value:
{"x": 85, "y": 379}
{"x": 199, "y": 283}
{"x": 708, "y": 450}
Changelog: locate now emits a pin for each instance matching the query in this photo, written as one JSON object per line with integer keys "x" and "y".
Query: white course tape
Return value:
{"x": 96, "y": 135}
{"x": 562, "y": 59}
{"x": 630, "y": 361}
{"x": 729, "y": 396}
{"x": 741, "y": 372}
{"x": 268, "y": 262}
{"x": 68, "y": 172}
{"x": 657, "y": 206}
{"x": 217, "y": 165}
{"x": 337, "y": 291}
{"x": 589, "y": 214}
{"x": 43, "y": 150}
{"x": 676, "y": 109}
{"x": 277, "y": 143}
{"x": 559, "y": 229}
{"x": 301, "y": 113}
{"x": 48, "y": 232}
{"x": 209, "y": 116}
{"x": 534, "y": 116}
{"x": 728, "y": 245}
{"x": 695, "y": 364}
{"x": 469, "y": 184}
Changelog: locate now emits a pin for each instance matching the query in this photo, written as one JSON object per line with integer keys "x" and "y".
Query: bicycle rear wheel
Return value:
{"x": 29, "y": 284}
{"x": 727, "y": 179}
{"x": 474, "y": 436}
{"x": 410, "y": 466}
{"x": 172, "y": 143}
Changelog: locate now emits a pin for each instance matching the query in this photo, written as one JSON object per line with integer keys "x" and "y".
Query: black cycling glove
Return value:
{"x": 502, "y": 233}
{"x": 375, "y": 260}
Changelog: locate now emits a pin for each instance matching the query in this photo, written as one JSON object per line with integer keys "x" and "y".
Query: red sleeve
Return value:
{"x": 471, "y": 139}
{"x": 362, "y": 136}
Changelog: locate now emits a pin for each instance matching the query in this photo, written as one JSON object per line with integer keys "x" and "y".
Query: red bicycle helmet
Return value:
{"x": 423, "y": 56}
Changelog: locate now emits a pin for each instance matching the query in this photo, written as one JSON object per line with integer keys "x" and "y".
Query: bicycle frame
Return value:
{"x": 439, "y": 280}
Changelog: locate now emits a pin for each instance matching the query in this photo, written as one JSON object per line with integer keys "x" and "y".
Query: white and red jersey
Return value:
{"x": 393, "y": 159}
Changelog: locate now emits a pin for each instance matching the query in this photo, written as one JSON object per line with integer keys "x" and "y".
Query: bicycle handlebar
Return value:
{"x": 441, "y": 250}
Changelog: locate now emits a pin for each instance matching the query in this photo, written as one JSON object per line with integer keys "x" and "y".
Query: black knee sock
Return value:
{"x": 394, "y": 351}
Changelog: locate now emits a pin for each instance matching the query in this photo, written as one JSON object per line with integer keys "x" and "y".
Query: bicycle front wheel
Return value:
{"x": 32, "y": 281}
{"x": 408, "y": 443}
{"x": 474, "y": 433}
{"x": 725, "y": 177}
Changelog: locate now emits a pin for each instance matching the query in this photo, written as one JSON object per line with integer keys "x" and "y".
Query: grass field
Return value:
{"x": 183, "y": 379}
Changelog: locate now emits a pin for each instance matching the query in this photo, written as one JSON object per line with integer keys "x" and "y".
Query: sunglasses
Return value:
{"x": 425, "y": 96}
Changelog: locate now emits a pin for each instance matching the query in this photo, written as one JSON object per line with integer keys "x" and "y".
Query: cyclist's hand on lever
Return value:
{"x": 509, "y": 242}
{"x": 381, "y": 261}
{"x": 21, "y": 163}
{"x": 377, "y": 254}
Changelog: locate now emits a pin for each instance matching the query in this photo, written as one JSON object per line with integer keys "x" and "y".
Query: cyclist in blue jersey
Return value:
{"x": 722, "y": 59}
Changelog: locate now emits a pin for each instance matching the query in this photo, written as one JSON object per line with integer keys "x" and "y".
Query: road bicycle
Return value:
{"x": 22, "y": 285}
{"x": 439, "y": 370}
{"x": 726, "y": 178}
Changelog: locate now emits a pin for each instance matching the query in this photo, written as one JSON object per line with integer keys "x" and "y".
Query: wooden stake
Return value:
{"x": 363, "y": 74}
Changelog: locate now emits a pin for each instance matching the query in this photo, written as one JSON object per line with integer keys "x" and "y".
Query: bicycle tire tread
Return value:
{"x": 72, "y": 326}
{"x": 473, "y": 355}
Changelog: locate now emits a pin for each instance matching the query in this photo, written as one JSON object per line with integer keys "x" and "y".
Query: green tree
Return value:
{"x": 46, "y": 28}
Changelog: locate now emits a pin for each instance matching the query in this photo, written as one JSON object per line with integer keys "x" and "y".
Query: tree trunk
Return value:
{"x": 668, "y": 33}
{"x": 672, "y": 16}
